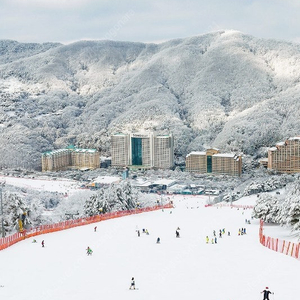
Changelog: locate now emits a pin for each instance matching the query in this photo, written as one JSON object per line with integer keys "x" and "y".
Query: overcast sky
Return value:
{"x": 67, "y": 21}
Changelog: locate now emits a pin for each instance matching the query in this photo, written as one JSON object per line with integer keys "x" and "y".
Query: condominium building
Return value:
{"x": 144, "y": 150}
{"x": 285, "y": 156}
{"x": 212, "y": 161}
{"x": 63, "y": 159}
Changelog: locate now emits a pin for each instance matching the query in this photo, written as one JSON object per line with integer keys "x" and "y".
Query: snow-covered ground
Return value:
{"x": 235, "y": 268}
{"x": 42, "y": 184}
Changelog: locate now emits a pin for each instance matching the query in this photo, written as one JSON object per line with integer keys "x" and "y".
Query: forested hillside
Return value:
{"x": 223, "y": 89}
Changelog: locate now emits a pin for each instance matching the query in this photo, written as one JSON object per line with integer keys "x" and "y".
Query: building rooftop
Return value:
{"x": 231, "y": 155}
{"x": 196, "y": 153}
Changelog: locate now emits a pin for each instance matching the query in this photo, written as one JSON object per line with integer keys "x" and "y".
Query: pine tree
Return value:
{"x": 266, "y": 208}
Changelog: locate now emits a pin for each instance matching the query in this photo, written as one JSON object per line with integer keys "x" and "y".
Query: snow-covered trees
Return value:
{"x": 115, "y": 198}
{"x": 234, "y": 97}
{"x": 14, "y": 209}
{"x": 266, "y": 208}
{"x": 290, "y": 209}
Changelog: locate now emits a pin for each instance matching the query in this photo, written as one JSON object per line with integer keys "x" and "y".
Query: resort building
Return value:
{"x": 70, "y": 158}
{"x": 142, "y": 150}
{"x": 212, "y": 161}
{"x": 285, "y": 156}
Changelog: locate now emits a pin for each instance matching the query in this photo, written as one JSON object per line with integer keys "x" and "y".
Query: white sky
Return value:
{"x": 66, "y": 21}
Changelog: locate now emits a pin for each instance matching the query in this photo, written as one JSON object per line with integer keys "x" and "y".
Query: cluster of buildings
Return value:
{"x": 284, "y": 157}
{"x": 151, "y": 151}
{"x": 147, "y": 151}
{"x": 71, "y": 157}
{"x": 212, "y": 161}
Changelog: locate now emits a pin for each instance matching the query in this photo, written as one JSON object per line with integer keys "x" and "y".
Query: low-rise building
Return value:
{"x": 71, "y": 157}
{"x": 212, "y": 161}
{"x": 285, "y": 156}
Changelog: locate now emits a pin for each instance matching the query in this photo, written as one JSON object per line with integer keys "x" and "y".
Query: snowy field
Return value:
{"x": 61, "y": 185}
{"x": 235, "y": 268}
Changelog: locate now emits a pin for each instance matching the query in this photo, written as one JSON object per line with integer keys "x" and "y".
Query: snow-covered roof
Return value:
{"x": 85, "y": 150}
{"x": 294, "y": 138}
{"x": 196, "y": 153}
{"x": 280, "y": 144}
{"x": 167, "y": 182}
{"x": 231, "y": 155}
{"x": 273, "y": 149}
{"x": 106, "y": 179}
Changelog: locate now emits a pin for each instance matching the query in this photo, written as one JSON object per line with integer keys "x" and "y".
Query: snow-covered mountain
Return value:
{"x": 224, "y": 89}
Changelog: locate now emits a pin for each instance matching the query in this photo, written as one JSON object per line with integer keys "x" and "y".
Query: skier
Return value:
{"x": 132, "y": 285}
{"x": 216, "y": 240}
{"x": 158, "y": 241}
{"x": 138, "y": 233}
{"x": 177, "y": 234}
{"x": 220, "y": 233}
{"x": 34, "y": 241}
{"x": 43, "y": 243}
{"x": 95, "y": 228}
{"x": 212, "y": 240}
{"x": 214, "y": 233}
{"x": 147, "y": 232}
{"x": 89, "y": 251}
{"x": 207, "y": 239}
{"x": 266, "y": 293}
{"x": 228, "y": 233}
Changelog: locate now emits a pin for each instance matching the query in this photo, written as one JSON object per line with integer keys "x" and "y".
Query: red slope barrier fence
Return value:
{"x": 42, "y": 229}
{"x": 282, "y": 246}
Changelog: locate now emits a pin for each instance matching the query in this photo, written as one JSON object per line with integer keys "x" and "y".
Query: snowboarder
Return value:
{"x": 158, "y": 241}
{"x": 266, "y": 293}
{"x": 89, "y": 251}
{"x": 43, "y": 243}
{"x": 132, "y": 285}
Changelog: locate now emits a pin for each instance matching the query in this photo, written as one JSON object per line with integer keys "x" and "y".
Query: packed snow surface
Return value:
{"x": 235, "y": 268}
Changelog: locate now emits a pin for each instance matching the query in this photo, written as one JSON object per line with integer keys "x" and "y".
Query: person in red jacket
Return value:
{"x": 266, "y": 293}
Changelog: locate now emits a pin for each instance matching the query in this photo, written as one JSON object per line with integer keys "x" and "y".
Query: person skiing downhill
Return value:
{"x": 89, "y": 251}
{"x": 132, "y": 285}
{"x": 43, "y": 243}
{"x": 266, "y": 293}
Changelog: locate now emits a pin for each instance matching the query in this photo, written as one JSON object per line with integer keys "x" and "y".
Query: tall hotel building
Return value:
{"x": 142, "y": 150}
{"x": 285, "y": 156}
{"x": 77, "y": 158}
{"x": 212, "y": 161}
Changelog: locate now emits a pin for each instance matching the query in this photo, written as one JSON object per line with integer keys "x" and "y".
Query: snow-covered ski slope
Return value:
{"x": 236, "y": 268}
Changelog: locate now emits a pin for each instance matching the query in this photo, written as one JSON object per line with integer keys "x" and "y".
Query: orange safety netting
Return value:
{"x": 12, "y": 239}
{"x": 282, "y": 246}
